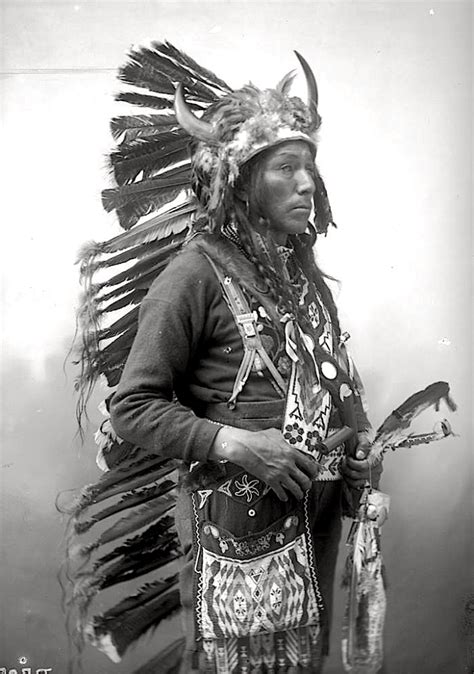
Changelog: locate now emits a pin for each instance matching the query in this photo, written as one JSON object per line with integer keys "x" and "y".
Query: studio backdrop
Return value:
{"x": 395, "y": 151}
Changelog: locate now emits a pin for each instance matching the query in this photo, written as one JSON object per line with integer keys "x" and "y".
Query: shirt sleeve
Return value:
{"x": 144, "y": 409}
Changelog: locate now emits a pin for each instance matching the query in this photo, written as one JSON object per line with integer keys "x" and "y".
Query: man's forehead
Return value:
{"x": 292, "y": 149}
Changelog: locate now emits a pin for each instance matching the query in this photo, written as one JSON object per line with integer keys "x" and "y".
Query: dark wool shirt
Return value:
{"x": 187, "y": 344}
{"x": 186, "y": 356}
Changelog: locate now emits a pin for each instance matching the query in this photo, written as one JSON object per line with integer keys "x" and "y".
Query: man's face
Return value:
{"x": 287, "y": 187}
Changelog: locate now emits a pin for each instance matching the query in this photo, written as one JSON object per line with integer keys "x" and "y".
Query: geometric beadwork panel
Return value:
{"x": 266, "y": 594}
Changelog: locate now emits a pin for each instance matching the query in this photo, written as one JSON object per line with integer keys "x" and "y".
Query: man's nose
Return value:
{"x": 305, "y": 182}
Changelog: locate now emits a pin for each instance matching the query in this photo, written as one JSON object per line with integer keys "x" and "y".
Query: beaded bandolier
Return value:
{"x": 166, "y": 202}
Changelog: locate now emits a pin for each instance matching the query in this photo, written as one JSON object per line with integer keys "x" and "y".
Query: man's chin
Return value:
{"x": 299, "y": 226}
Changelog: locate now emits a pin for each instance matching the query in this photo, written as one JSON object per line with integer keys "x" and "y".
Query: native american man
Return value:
{"x": 230, "y": 364}
{"x": 237, "y": 342}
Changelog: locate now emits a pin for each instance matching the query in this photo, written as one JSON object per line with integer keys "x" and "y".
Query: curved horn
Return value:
{"x": 193, "y": 125}
{"x": 311, "y": 82}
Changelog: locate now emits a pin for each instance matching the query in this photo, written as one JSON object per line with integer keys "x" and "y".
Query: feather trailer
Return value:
{"x": 114, "y": 370}
{"x": 119, "y": 326}
{"x": 137, "y": 479}
{"x": 125, "y": 289}
{"x": 123, "y": 632}
{"x": 120, "y": 480}
{"x": 128, "y": 616}
{"x": 171, "y": 221}
{"x": 196, "y": 71}
{"x": 152, "y": 244}
{"x": 131, "y": 202}
{"x": 112, "y": 355}
{"x": 143, "y": 541}
{"x": 146, "y": 100}
{"x": 148, "y": 155}
{"x": 133, "y": 566}
{"x": 84, "y": 585}
{"x": 148, "y": 539}
{"x": 130, "y": 499}
{"x": 140, "y": 275}
{"x": 87, "y": 583}
{"x": 151, "y": 168}
{"x": 139, "y": 73}
{"x": 153, "y": 102}
{"x": 137, "y": 208}
{"x": 146, "y": 265}
{"x": 135, "y": 296}
{"x": 134, "y": 201}
{"x": 145, "y": 593}
{"x": 155, "y": 70}
{"x": 114, "y": 450}
{"x": 135, "y": 520}
{"x": 132, "y": 127}
{"x": 133, "y": 534}
{"x": 168, "y": 661}
{"x": 145, "y": 258}
{"x": 154, "y": 546}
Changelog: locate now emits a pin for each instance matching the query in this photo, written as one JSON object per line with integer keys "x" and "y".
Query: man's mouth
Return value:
{"x": 301, "y": 207}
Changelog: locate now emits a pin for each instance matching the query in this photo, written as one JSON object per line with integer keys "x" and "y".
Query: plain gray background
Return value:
{"x": 395, "y": 95}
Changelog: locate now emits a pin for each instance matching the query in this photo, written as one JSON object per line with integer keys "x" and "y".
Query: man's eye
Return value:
{"x": 286, "y": 168}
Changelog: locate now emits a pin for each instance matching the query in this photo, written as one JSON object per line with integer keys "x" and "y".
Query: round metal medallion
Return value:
{"x": 329, "y": 370}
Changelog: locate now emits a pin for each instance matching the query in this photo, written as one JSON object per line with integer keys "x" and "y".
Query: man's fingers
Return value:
{"x": 309, "y": 465}
{"x": 290, "y": 485}
{"x": 354, "y": 475}
{"x": 301, "y": 479}
{"x": 355, "y": 480}
{"x": 279, "y": 491}
{"x": 357, "y": 465}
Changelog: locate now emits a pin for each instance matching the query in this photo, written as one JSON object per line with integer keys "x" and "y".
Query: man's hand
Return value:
{"x": 269, "y": 457}
{"x": 356, "y": 470}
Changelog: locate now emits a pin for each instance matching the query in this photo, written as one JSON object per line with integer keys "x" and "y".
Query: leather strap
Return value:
{"x": 252, "y": 343}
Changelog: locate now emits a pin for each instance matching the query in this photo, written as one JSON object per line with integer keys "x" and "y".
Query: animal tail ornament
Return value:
{"x": 362, "y": 639}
